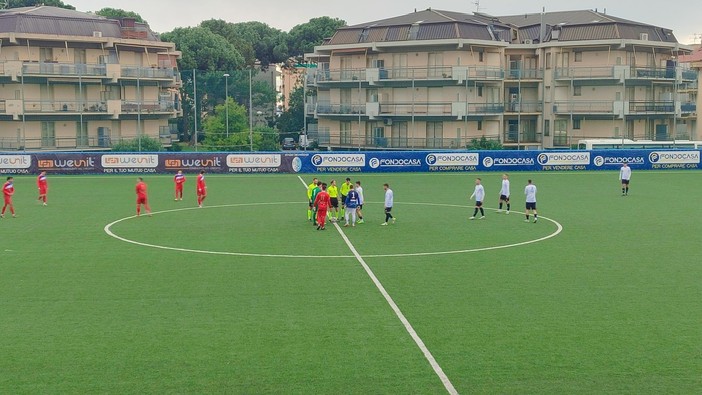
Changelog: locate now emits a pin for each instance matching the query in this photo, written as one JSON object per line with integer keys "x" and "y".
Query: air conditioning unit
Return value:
{"x": 643, "y": 36}
{"x": 97, "y": 34}
{"x": 528, "y": 41}
{"x": 388, "y": 122}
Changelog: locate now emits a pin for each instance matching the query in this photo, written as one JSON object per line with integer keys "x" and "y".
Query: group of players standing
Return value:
{"x": 479, "y": 195}
{"x": 8, "y": 190}
{"x": 179, "y": 181}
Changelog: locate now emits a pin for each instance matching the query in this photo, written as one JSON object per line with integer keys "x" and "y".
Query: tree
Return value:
{"x": 204, "y": 50}
{"x": 303, "y": 38}
{"x": 256, "y": 40}
{"x": 32, "y": 3}
{"x": 118, "y": 13}
{"x": 291, "y": 121}
{"x": 215, "y": 128}
{"x": 484, "y": 144}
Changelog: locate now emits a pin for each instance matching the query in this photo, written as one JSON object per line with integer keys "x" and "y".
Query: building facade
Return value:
{"x": 438, "y": 79}
{"x": 72, "y": 80}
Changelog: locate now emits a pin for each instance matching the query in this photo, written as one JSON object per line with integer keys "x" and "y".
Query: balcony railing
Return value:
{"x": 340, "y": 109}
{"x": 148, "y": 107}
{"x": 689, "y": 75}
{"x": 349, "y": 75}
{"x": 354, "y": 140}
{"x": 68, "y": 69}
{"x": 417, "y": 109}
{"x": 651, "y": 107}
{"x": 524, "y": 74}
{"x": 416, "y": 73}
{"x": 524, "y": 137}
{"x": 688, "y": 108}
{"x": 64, "y": 106}
{"x": 653, "y": 73}
{"x": 583, "y": 107}
{"x": 585, "y": 73}
{"x": 147, "y": 72}
{"x": 528, "y": 107}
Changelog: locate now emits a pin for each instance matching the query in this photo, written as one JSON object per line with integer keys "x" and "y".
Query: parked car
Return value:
{"x": 288, "y": 143}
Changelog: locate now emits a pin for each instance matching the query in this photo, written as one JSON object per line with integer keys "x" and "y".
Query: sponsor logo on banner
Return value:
{"x": 335, "y": 160}
{"x": 190, "y": 163}
{"x": 129, "y": 161}
{"x": 253, "y": 160}
{"x": 67, "y": 164}
{"x": 674, "y": 157}
{"x": 15, "y": 161}
{"x": 453, "y": 159}
{"x": 296, "y": 164}
{"x": 375, "y": 163}
{"x": 600, "y": 161}
{"x": 490, "y": 162}
{"x": 564, "y": 158}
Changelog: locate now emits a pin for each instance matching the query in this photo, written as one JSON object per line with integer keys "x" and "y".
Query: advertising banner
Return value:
{"x": 345, "y": 162}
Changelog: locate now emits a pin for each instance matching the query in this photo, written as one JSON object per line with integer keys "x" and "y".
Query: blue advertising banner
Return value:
{"x": 345, "y": 162}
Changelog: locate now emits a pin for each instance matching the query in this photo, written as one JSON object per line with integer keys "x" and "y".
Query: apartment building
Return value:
{"x": 74, "y": 80}
{"x": 438, "y": 79}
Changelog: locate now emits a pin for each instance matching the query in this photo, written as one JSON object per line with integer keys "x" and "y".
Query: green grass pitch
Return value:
{"x": 613, "y": 304}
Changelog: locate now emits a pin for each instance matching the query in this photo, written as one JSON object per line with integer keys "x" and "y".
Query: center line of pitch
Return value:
{"x": 408, "y": 327}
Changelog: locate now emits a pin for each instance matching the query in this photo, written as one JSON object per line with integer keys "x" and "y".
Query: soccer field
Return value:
{"x": 602, "y": 295}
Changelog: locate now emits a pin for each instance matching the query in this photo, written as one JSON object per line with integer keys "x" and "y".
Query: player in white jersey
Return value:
{"x": 389, "y": 202}
{"x": 359, "y": 191}
{"x": 479, "y": 195}
{"x": 530, "y": 192}
{"x": 624, "y": 177}
{"x": 504, "y": 193}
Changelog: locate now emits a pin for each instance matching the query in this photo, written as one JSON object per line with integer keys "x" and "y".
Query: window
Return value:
{"x": 578, "y": 56}
{"x": 560, "y": 132}
{"x": 413, "y": 31}
{"x": 577, "y": 91}
{"x": 481, "y": 56}
{"x": 345, "y": 133}
{"x": 577, "y": 124}
{"x": 48, "y": 135}
{"x": 547, "y": 127}
{"x": 480, "y": 91}
{"x": 480, "y": 125}
{"x": 399, "y": 135}
{"x": 364, "y": 36}
{"x": 548, "y": 60}
{"x": 435, "y": 134}
{"x": 81, "y": 134}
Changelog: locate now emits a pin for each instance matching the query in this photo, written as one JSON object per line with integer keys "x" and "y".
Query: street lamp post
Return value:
{"x": 226, "y": 101}
{"x": 251, "y": 108}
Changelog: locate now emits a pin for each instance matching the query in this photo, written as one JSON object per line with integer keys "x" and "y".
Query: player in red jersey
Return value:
{"x": 201, "y": 188}
{"x": 43, "y": 187}
{"x": 8, "y": 189}
{"x": 141, "y": 197}
{"x": 179, "y": 180}
{"x": 322, "y": 203}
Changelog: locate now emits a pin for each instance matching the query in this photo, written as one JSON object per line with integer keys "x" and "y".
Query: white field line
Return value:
{"x": 413, "y": 334}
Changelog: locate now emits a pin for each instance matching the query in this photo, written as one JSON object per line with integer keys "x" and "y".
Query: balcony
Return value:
{"x": 524, "y": 107}
{"x": 688, "y": 108}
{"x": 524, "y": 74}
{"x": 405, "y": 109}
{"x": 349, "y": 76}
{"x": 586, "y": 73}
{"x": 689, "y": 75}
{"x": 329, "y": 109}
{"x": 136, "y": 72}
{"x": 148, "y": 107}
{"x": 652, "y": 73}
{"x": 596, "y": 107}
{"x": 63, "y": 69}
{"x": 525, "y": 137}
{"x": 64, "y": 107}
{"x": 651, "y": 107}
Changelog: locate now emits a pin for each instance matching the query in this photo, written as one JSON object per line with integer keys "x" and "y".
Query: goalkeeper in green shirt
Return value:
{"x": 310, "y": 191}
{"x": 345, "y": 188}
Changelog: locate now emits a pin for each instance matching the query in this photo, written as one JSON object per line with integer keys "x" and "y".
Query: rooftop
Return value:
{"x": 63, "y": 22}
{"x": 431, "y": 24}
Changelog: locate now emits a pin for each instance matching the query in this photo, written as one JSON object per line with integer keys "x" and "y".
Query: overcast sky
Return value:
{"x": 683, "y": 16}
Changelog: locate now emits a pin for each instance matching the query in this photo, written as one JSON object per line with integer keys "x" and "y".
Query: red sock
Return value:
{"x": 44, "y": 199}
{"x": 138, "y": 210}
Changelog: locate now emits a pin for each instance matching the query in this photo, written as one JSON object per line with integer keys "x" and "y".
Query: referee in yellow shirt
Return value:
{"x": 333, "y": 192}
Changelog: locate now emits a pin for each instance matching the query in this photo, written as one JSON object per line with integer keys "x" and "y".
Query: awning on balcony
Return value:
{"x": 347, "y": 51}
